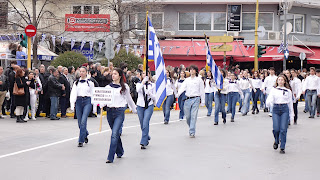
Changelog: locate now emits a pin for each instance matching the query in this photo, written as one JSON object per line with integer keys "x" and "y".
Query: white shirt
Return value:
{"x": 81, "y": 89}
{"x": 281, "y": 95}
{"x": 312, "y": 82}
{"x": 296, "y": 86}
{"x": 268, "y": 83}
{"x": 256, "y": 83}
{"x": 209, "y": 87}
{"x": 150, "y": 92}
{"x": 121, "y": 100}
{"x": 170, "y": 89}
{"x": 193, "y": 86}
{"x": 244, "y": 83}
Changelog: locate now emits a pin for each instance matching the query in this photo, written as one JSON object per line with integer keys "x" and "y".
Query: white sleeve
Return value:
{"x": 299, "y": 84}
{"x": 318, "y": 89}
{"x": 290, "y": 104}
{"x": 129, "y": 100}
{"x": 39, "y": 81}
{"x": 91, "y": 84}
{"x": 202, "y": 94}
{"x": 304, "y": 85}
{"x": 73, "y": 95}
{"x": 139, "y": 87}
{"x": 270, "y": 99}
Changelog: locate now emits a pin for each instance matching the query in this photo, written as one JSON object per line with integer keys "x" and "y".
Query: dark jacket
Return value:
{"x": 22, "y": 100}
{"x": 95, "y": 82}
{"x": 4, "y": 85}
{"x": 45, "y": 81}
{"x": 54, "y": 87}
{"x": 11, "y": 79}
{"x": 63, "y": 80}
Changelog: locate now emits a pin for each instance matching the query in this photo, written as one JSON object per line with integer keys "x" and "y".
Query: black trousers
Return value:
{"x": 47, "y": 105}
{"x": 13, "y": 104}
{"x": 295, "y": 110}
{"x": 41, "y": 106}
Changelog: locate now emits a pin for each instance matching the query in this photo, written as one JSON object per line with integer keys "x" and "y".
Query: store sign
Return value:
{"x": 234, "y": 18}
{"x": 85, "y": 51}
{"x": 87, "y": 22}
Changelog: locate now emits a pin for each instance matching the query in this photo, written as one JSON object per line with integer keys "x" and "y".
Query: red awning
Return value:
{"x": 270, "y": 55}
{"x": 315, "y": 58}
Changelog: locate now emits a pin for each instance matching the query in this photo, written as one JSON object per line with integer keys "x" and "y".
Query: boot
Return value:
{"x": 19, "y": 120}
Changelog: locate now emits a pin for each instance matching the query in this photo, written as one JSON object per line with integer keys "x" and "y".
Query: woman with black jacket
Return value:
{"x": 21, "y": 100}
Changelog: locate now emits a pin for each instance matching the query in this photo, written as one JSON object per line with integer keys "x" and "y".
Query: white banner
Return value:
{"x": 102, "y": 95}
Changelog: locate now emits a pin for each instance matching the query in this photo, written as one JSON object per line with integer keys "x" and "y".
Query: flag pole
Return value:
{"x": 205, "y": 38}
{"x": 146, "y": 58}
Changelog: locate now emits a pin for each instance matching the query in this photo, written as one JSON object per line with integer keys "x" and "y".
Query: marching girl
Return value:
{"x": 170, "y": 89}
{"x": 245, "y": 85}
{"x": 182, "y": 97}
{"x": 296, "y": 86}
{"x": 209, "y": 91}
{"x": 220, "y": 100}
{"x": 256, "y": 84}
{"x": 115, "y": 112}
{"x": 234, "y": 91}
{"x": 146, "y": 92}
{"x": 80, "y": 99}
{"x": 280, "y": 98}
{"x": 262, "y": 95}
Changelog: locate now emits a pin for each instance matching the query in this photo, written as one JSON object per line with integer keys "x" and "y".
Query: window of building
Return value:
{"x": 76, "y": 9}
{"x": 3, "y": 15}
{"x": 219, "y": 21}
{"x": 186, "y": 21}
{"x": 96, "y": 10}
{"x": 265, "y": 20}
{"x": 157, "y": 20}
{"x": 297, "y": 21}
{"x": 315, "y": 24}
{"x": 87, "y": 9}
{"x": 138, "y": 21}
{"x": 203, "y": 21}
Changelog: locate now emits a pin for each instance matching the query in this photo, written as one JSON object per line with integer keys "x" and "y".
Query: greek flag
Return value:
{"x": 154, "y": 53}
{"x": 218, "y": 78}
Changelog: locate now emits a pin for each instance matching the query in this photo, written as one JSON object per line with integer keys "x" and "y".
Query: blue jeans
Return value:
{"x": 181, "y": 99}
{"x": 115, "y": 118}
{"x": 306, "y": 105}
{"x": 208, "y": 102}
{"x": 83, "y": 108}
{"x": 255, "y": 99}
{"x": 312, "y": 99}
{"x": 144, "y": 118}
{"x": 233, "y": 99}
{"x": 246, "y": 101}
{"x": 220, "y": 105}
{"x": 166, "y": 107}
{"x": 54, "y": 107}
{"x": 191, "y": 107}
{"x": 280, "y": 118}
{"x": 262, "y": 100}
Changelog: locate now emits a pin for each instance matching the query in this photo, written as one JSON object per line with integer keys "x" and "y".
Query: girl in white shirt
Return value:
{"x": 182, "y": 97}
{"x": 146, "y": 92}
{"x": 234, "y": 91}
{"x": 115, "y": 112}
{"x": 80, "y": 97}
{"x": 170, "y": 89}
{"x": 208, "y": 89}
{"x": 256, "y": 84}
{"x": 296, "y": 86}
{"x": 280, "y": 98}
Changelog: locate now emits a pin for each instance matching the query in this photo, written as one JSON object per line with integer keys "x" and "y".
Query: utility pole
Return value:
{"x": 35, "y": 43}
{"x": 256, "y": 63}
{"x": 285, "y": 31}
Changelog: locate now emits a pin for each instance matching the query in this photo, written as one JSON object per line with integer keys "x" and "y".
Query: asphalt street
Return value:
{"x": 242, "y": 150}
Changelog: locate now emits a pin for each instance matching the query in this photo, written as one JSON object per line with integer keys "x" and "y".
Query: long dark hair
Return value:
{"x": 286, "y": 81}
{"x": 122, "y": 84}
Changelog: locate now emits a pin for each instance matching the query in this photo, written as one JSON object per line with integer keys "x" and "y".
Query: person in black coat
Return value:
{"x": 21, "y": 100}
{"x": 10, "y": 73}
{"x": 54, "y": 92}
{"x": 41, "y": 106}
{"x": 65, "y": 94}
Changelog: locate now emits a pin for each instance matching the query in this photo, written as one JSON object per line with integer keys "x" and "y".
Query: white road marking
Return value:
{"x": 75, "y": 138}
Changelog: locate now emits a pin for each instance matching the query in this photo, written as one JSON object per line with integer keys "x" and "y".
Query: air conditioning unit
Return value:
{"x": 169, "y": 33}
{"x": 273, "y": 35}
{"x": 230, "y": 33}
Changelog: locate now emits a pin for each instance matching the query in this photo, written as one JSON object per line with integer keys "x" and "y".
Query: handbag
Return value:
{"x": 18, "y": 91}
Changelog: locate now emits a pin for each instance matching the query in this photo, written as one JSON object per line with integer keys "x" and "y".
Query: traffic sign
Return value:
{"x": 286, "y": 54}
{"x": 302, "y": 56}
{"x": 261, "y": 31}
{"x": 30, "y": 30}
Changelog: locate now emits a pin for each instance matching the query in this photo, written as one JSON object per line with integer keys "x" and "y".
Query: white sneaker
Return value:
{"x": 270, "y": 114}
{"x": 180, "y": 119}
{"x": 34, "y": 119}
{"x": 26, "y": 119}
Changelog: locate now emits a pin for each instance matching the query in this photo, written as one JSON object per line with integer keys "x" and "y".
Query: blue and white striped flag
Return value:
{"x": 218, "y": 78}
{"x": 154, "y": 53}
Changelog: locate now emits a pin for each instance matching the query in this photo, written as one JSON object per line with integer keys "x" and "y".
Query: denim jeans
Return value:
{"x": 306, "y": 104}
{"x": 115, "y": 118}
{"x": 246, "y": 101}
{"x": 83, "y": 108}
{"x": 262, "y": 100}
{"x": 208, "y": 102}
{"x": 280, "y": 118}
{"x": 228, "y": 103}
{"x": 63, "y": 105}
{"x": 54, "y": 107}
{"x": 312, "y": 99}
{"x": 191, "y": 107}
{"x": 255, "y": 98}
{"x": 220, "y": 105}
{"x": 233, "y": 97}
{"x": 144, "y": 118}
{"x": 181, "y": 99}
{"x": 166, "y": 107}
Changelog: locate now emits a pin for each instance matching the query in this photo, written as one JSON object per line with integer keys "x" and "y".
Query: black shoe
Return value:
{"x": 119, "y": 157}
{"x": 224, "y": 120}
{"x": 143, "y": 147}
{"x": 244, "y": 114}
{"x": 305, "y": 111}
{"x": 311, "y": 116}
{"x": 289, "y": 123}
{"x": 80, "y": 145}
{"x": 295, "y": 123}
{"x": 216, "y": 123}
{"x": 166, "y": 122}
{"x": 228, "y": 112}
{"x": 253, "y": 112}
{"x": 232, "y": 120}
{"x": 55, "y": 118}
{"x": 282, "y": 151}
{"x": 108, "y": 162}
{"x": 265, "y": 110}
{"x": 257, "y": 111}
{"x": 275, "y": 145}
{"x": 208, "y": 115}
{"x": 86, "y": 140}
{"x": 19, "y": 120}
{"x": 13, "y": 116}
